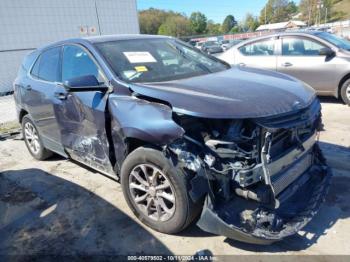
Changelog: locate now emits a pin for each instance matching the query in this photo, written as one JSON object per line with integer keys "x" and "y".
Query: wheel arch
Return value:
{"x": 341, "y": 82}
{"x": 125, "y": 148}
{"x": 133, "y": 143}
{"x": 21, "y": 114}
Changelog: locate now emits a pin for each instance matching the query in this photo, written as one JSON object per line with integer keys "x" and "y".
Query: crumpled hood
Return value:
{"x": 234, "y": 93}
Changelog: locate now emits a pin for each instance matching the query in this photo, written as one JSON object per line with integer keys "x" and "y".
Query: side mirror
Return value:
{"x": 84, "y": 84}
{"x": 326, "y": 52}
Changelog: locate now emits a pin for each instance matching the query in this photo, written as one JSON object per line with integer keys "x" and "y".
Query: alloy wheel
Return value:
{"x": 152, "y": 192}
{"x": 32, "y": 138}
{"x": 347, "y": 92}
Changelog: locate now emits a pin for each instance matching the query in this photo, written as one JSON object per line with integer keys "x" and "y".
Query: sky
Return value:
{"x": 215, "y": 10}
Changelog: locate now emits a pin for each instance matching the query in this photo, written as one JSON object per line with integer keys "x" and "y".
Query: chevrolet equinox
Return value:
{"x": 188, "y": 136}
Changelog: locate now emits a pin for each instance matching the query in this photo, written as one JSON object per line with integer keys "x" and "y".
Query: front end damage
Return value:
{"x": 261, "y": 179}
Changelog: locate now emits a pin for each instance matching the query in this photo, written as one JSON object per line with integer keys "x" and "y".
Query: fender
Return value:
{"x": 132, "y": 117}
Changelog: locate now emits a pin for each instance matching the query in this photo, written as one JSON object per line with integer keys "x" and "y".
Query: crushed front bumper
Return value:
{"x": 298, "y": 204}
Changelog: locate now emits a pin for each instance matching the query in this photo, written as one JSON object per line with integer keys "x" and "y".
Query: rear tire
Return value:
{"x": 345, "y": 92}
{"x": 179, "y": 210}
{"x": 33, "y": 141}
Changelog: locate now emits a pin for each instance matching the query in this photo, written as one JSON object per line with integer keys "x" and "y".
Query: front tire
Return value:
{"x": 345, "y": 92}
{"x": 156, "y": 191}
{"x": 33, "y": 141}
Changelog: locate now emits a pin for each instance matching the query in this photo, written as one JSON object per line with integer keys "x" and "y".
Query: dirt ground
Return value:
{"x": 59, "y": 207}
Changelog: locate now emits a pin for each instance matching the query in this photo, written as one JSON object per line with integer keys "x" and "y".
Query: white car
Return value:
{"x": 199, "y": 45}
{"x": 318, "y": 58}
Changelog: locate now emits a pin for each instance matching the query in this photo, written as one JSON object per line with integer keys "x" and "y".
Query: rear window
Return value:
{"x": 261, "y": 48}
{"x": 27, "y": 62}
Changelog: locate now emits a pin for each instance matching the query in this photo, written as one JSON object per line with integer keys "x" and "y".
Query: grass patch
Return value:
{"x": 342, "y": 10}
{"x": 9, "y": 127}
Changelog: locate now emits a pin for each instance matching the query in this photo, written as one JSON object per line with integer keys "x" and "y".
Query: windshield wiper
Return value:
{"x": 135, "y": 75}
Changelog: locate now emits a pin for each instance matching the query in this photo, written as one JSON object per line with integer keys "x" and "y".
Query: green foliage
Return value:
{"x": 292, "y": 8}
{"x": 249, "y": 23}
{"x": 228, "y": 24}
{"x": 176, "y": 25}
{"x": 213, "y": 28}
{"x": 198, "y": 22}
{"x": 151, "y": 19}
{"x": 276, "y": 11}
{"x": 236, "y": 29}
{"x": 312, "y": 13}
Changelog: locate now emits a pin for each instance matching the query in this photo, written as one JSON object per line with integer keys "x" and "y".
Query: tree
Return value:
{"x": 249, "y": 23}
{"x": 198, "y": 22}
{"x": 313, "y": 12}
{"x": 228, "y": 24}
{"x": 176, "y": 25}
{"x": 292, "y": 8}
{"x": 236, "y": 29}
{"x": 151, "y": 19}
{"x": 276, "y": 11}
{"x": 213, "y": 28}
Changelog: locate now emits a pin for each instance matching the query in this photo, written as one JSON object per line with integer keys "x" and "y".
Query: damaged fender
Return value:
{"x": 140, "y": 119}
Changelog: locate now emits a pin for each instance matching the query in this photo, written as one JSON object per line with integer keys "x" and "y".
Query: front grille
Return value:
{"x": 298, "y": 118}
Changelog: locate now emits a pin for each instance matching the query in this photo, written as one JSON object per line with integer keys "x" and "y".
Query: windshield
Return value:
{"x": 335, "y": 40}
{"x": 156, "y": 60}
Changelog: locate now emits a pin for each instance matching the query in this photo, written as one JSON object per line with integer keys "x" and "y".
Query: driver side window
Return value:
{"x": 77, "y": 62}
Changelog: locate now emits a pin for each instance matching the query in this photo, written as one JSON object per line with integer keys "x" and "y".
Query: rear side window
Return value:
{"x": 47, "y": 66}
{"x": 261, "y": 48}
{"x": 27, "y": 62}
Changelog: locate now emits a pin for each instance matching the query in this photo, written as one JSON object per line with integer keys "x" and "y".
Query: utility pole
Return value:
{"x": 265, "y": 14}
{"x": 319, "y": 6}
{"x": 309, "y": 18}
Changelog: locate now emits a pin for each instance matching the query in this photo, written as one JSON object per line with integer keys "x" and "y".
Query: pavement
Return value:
{"x": 59, "y": 207}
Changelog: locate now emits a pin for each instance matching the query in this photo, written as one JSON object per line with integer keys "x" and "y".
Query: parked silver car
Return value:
{"x": 320, "y": 59}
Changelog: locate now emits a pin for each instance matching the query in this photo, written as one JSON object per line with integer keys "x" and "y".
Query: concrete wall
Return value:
{"x": 28, "y": 24}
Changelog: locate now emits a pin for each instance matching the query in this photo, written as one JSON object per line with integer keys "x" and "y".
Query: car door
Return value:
{"x": 258, "y": 54}
{"x": 81, "y": 115}
{"x": 300, "y": 57}
{"x": 40, "y": 91}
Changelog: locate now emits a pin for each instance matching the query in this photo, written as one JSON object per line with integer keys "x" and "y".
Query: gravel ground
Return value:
{"x": 59, "y": 207}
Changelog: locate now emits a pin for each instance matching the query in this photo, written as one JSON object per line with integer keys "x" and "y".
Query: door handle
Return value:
{"x": 28, "y": 87}
{"x": 287, "y": 64}
{"x": 242, "y": 64}
{"x": 61, "y": 95}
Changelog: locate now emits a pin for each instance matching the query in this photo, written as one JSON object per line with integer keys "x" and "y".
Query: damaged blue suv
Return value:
{"x": 188, "y": 136}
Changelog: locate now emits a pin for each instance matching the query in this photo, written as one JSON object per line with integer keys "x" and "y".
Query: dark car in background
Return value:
{"x": 184, "y": 132}
{"x": 318, "y": 58}
{"x": 211, "y": 47}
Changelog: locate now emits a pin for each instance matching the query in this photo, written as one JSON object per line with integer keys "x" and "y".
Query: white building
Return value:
{"x": 28, "y": 24}
{"x": 281, "y": 26}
